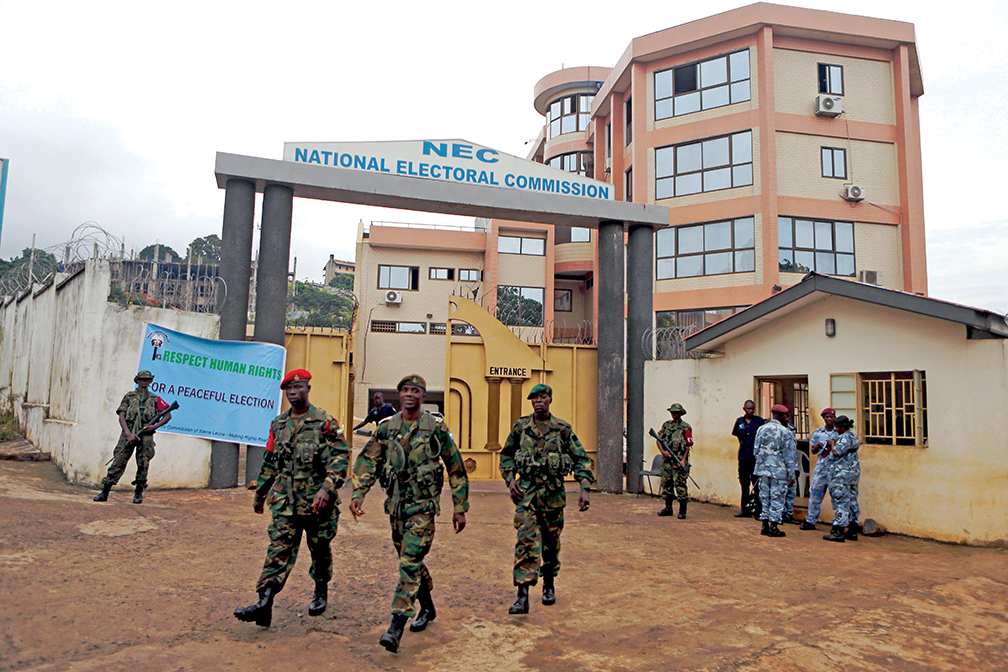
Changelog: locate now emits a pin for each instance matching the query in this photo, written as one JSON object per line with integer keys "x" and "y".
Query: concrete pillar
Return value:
{"x": 493, "y": 414}
{"x": 271, "y": 284}
{"x": 610, "y": 356}
{"x": 640, "y": 302}
{"x": 232, "y": 302}
{"x": 516, "y": 399}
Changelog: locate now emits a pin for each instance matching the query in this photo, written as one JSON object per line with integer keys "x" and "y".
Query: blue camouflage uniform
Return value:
{"x": 820, "y": 475}
{"x": 776, "y": 462}
{"x": 792, "y": 490}
{"x": 844, "y": 474}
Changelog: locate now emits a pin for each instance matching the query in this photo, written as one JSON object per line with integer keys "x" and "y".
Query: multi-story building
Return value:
{"x": 783, "y": 140}
{"x": 334, "y": 266}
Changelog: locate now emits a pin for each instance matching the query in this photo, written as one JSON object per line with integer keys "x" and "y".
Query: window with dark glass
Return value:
{"x": 575, "y": 162}
{"x": 629, "y": 185}
{"x": 716, "y": 82}
{"x": 708, "y": 165}
{"x": 569, "y": 114}
{"x": 825, "y": 247}
{"x": 628, "y": 136}
{"x": 714, "y": 248}
{"x": 398, "y": 277}
{"x": 834, "y": 162}
{"x": 562, "y": 300}
{"x": 520, "y": 306}
{"x": 831, "y": 79}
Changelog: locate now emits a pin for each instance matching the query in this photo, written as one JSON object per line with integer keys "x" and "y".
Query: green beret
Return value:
{"x": 143, "y": 374}
{"x": 677, "y": 408}
{"x": 541, "y": 387}
{"x": 413, "y": 379}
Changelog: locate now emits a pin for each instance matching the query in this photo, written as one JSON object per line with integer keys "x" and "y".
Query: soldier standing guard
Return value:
{"x": 405, "y": 456}
{"x": 678, "y": 438}
{"x": 305, "y": 464}
{"x": 776, "y": 461}
{"x": 539, "y": 452}
{"x": 844, "y": 474}
{"x": 820, "y": 475}
{"x": 137, "y": 412}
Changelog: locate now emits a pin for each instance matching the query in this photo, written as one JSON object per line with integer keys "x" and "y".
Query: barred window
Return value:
{"x": 707, "y": 165}
{"x": 382, "y": 326}
{"x": 704, "y": 85}
{"x": 438, "y": 328}
{"x": 815, "y": 245}
{"x": 894, "y": 407}
{"x": 388, "y": 327}
{"x": 715, "y": 248}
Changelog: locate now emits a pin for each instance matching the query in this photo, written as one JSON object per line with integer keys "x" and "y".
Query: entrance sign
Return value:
{"x": 458, "y": 161}
{"x": 227, "y": 390}
{"x": 508, "y": 372}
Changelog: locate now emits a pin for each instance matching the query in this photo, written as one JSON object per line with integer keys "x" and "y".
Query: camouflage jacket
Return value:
{"x": 821, "y": 436}
{"x": 845, "y": 467}
{"x": 405, "y": 459}
{"x": 140, "y": 408}
{"x": 299, "y": 461}
{"x": 775, "y": 452}
{"x": 541, "y": 461}
{"x": 674, "y": 436}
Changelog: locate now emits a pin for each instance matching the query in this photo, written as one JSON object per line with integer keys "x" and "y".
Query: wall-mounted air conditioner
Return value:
{"x": 870, "y": 277}
{"x": 393, "y": 297}
{"x": 828, "y": 106}
{"x": 853, "y": 192}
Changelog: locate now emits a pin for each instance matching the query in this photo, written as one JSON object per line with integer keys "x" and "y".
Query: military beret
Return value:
{"x": 844, "y": 421}
{"x": 143, "y": 374}
{"x": 677, "y": 408}
{"x": 828, "y": 410}
{"x": 540, "y": 387}
{"x": 779, "y": 408}
{"x": 413, "y": 379}
{"x": 293, "y": 377}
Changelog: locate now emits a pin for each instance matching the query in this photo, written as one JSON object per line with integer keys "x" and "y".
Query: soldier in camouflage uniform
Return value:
{"x": 678, "y": 439}
{"x": 137, "y": 412}
{"x": 820, "y": 475}
{"x": 305, "y": 464}
{"x": 844, "y": 474}
{"x": 405, "y": 456}
{"x": 539, "y": 452}
{"x": 776, "y": 462}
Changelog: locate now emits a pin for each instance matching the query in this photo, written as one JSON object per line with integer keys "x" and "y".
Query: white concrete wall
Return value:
{"x": 953, "y": 489}
{"x": 67, "y": 356}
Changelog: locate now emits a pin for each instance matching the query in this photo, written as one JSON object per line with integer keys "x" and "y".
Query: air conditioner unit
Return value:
{"x": 870, "y": 277}
{"x": 828, "y": 106}
{"x": 853, "y": 192}
{"x": 393, "y": 297}
{"x": 608, "y": 164}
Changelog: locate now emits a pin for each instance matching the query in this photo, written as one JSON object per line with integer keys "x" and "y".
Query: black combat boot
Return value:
{"x": 427, "y": 611}
{"x": 390, "y": 640}
{"x": 852, "y": 531}
{"x": 260, "y": 613}
{"x": 807, "y": 525}
{"x": 521, "y": 605}
{"x": 103, "y": 495}
{"x": 549, "y": 591}
{"x": 766, "y": 528}
{"x": 775, "y": 531}
{"x": 138, "y": 495}
{"x": 682, "y": 508}
{"x": 836, "y": 534}
{"x": 667, "y": 511}
{"x": 319, "y": 599}
{"x": 788, "y": 518}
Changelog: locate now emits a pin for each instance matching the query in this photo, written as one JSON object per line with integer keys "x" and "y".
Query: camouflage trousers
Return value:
{"x": 285, "y": 540}
{"x": 537, "y": 550}
{"x": 412, "y": 537}
{"x": 121, "y": 456}
{"x": 673, "y": 480}
{"x": 772, "y": 492}
{"x": 841, "y": 496}
{"x": 790, "y": 495}
{"x": 817, "y": 490}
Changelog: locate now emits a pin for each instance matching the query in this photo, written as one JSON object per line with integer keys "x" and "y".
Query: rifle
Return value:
{"x": 140, "y": 433}
{"x": 661, "y": 444}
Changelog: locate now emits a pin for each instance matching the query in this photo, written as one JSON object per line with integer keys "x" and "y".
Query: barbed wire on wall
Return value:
{"x": 512, "y": 316}
{"x": 667, "y": 343}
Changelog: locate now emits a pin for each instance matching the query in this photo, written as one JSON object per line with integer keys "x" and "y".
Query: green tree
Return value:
{"x": 17, "y": 268}
{"x": 208, "y": 247}
{"x": 165, "y": 253}
{"x": 342, "y": 281}
{"x": 314, "y": 307}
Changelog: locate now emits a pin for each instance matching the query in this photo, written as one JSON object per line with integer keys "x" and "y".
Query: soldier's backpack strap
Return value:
{"x": 427, "y": 428}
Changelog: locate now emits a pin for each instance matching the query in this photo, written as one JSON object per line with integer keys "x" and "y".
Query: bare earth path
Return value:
{"x": 86, "y": 586}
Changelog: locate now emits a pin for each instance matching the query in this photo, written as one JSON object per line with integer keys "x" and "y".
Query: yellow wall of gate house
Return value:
{"x": 324, "y": 354}
{"x": 571, "y": 370}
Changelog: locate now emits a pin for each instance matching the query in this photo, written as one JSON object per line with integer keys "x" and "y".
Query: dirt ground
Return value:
{"x": 118, "y": 586}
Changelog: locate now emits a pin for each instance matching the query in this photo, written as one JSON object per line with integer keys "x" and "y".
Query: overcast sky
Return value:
{"x": 112, "y": 112}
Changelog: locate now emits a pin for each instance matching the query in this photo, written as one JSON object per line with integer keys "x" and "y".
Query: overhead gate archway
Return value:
{"x": 280, "y": 181}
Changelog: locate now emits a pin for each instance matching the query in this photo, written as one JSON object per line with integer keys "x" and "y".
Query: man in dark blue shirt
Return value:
{"x": 379, "y": 411}
{"x": 745, "y": 431}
